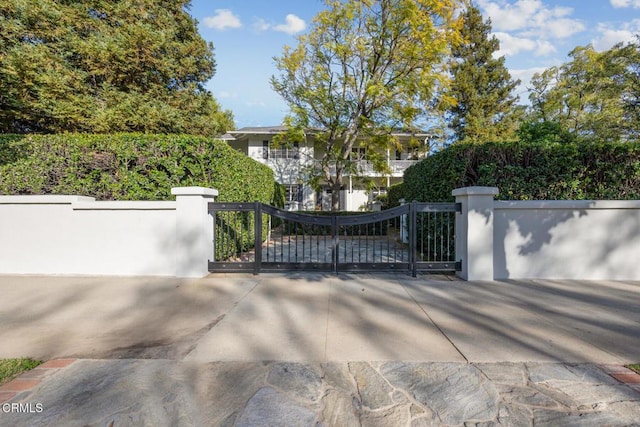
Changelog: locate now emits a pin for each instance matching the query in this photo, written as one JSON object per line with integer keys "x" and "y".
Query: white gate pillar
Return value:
{"x": 474, "y": 232}
{"x": 194, "y": 230}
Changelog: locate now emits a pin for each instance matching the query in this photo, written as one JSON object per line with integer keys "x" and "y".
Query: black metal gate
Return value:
{"x": 413, "y": 237}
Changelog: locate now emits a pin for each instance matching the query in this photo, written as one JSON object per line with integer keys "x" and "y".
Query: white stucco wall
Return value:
{"x": 353, "y": 200}
{"x": 567, "y": 239}
{"x": 76, "y": 235}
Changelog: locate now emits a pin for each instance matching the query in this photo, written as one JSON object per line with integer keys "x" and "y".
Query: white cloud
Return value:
{"x": 261, "y": 25}
{"x": 562, "y": 28}
{"x": 512, "y": 45}
{"x": 292, "y": 26}
{"x": 506, "y": 17}
{"x": 222, "y": 20}
{"x": 626, "y": 3}
{"x": 226, "y": 94}
{"x": 610, "y": 36}
{"x": 532, "y": 18}
{"x": 524, "y": 75}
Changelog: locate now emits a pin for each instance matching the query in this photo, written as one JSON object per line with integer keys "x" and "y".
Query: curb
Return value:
{"x": 624, "y": 375}
{"x": 27, "y": 381}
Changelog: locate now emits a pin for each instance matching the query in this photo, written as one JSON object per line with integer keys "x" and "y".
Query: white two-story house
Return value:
{"x": 291, "y": 165}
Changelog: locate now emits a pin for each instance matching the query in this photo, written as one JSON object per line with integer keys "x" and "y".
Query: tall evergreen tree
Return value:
{"x": 484, "y": 107}
{"x": 105, "y": 66}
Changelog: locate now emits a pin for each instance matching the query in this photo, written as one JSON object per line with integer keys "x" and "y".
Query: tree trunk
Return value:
{"x": 335, "y": 194}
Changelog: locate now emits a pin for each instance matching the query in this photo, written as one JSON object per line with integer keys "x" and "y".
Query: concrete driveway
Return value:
{"x": 314, "y": 349}
{"x": 318, "y": 317}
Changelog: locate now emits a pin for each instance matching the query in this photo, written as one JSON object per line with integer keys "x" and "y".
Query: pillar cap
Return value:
{"x": 194, "y": 191}
{"x": 475, "y": 191}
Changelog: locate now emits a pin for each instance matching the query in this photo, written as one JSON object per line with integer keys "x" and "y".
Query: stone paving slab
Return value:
{"x": 171, "y": 393}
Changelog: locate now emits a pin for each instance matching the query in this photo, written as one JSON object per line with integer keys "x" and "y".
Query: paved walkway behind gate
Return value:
{"x": 244, "y": 349}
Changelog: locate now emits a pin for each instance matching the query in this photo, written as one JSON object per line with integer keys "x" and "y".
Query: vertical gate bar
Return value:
{"x": 269, "y": 235}
{"x": 439, "y": 233}
{"x": 241, "y": 227}
{"x": 448, "y": 236}
{"x": 258, "y": 237}
{"x": 324, "y": 246}
{"x": 373, "y": 225}
{"x": 386, "y": 236}
{"x": 301, "y": 225}
{"x": 227, "y": 237}
{"x": 412, "y": 238}
{"x": 334, "y": 243}
{"x": 215, "y": 235}
{"x": 346, "y": 235}
{"x": 320, "y": 233}
{"x": 215, "y": 214}
{"x": 295, "y": 230}
{"x": 353, "y": 238}
{"x": 360, "y": 243}
{"x": 424, "y": 227}
{"x": 285, "y": 228}
{"x": 430, "y": 239}
{"x": 441, "y": 238}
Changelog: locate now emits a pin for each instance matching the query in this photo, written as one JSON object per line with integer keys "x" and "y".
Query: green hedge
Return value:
{"x": 395, "y": 193}
{"x": 133, "y": 167}
{"x": 128, "y": 167}
{"x": 530, "y": 171}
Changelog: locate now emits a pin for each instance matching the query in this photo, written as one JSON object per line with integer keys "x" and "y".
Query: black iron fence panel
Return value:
{"x": 412, "y": 237}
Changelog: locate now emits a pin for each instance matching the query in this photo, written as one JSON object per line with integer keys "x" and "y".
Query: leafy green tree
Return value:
{"x": 366, "y": 68}
{"x": 594, "y": 96}
{"x": 484, "y": 108}
{"x": 105, "y": 66}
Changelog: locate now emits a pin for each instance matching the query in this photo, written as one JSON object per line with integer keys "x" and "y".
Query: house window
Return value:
{"x": 358, "y": 153}
{"x": 293, "y": 195}
{"x": 282, "y": 152}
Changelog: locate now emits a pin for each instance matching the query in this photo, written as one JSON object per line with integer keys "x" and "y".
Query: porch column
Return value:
{"x": 474, "y": 232}
{"x": 194, "y": 230}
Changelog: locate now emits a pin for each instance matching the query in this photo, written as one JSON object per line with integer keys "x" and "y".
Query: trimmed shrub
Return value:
{"x": 530, "y": 171}
{"x": 129, "y": 167}
{"x": 395, "y": 193}
{"x": 135, "y": 167}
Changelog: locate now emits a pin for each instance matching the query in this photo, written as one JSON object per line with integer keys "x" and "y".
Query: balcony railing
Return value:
{"x": 365, "y": 167}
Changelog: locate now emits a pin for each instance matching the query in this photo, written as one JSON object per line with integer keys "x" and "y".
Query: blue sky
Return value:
{"x": 534, "y": 35}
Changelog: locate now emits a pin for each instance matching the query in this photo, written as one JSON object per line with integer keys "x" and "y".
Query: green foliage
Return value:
{"x": 530, "y": 170}
{"x": 128, "y": 167}
{"x": 279, "y": 195}
{"x": 137, "y": 167}
{"x": 364, "y": 69}
{"x": 105, "y": 66}
{"x": 594, "y": 96}
{"x": 481, "y": 86}
{"x": 11, "y": 368}
{"x": 395, "y": 193}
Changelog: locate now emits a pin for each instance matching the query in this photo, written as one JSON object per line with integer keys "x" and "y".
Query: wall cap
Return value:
{"x": 567, "y": 204}
{"x": 194, "y": 191}
{"x": 125, "y": 205}
{"x": 475, "y": 191}
{"x": 47, "y": 199}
